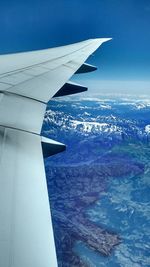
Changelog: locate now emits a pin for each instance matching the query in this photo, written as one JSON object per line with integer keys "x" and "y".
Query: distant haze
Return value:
{"x": 115, "y": 87}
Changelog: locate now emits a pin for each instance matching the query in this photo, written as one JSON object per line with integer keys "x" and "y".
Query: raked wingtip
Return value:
{"x": 101, "y": 40}
{"x": 105, "y": 39}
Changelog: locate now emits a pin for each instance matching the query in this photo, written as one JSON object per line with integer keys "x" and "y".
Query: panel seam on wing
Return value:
{"x": 41, "y": 63}
{"x": 18, "y": 129}
{"x": 24, "y": 96}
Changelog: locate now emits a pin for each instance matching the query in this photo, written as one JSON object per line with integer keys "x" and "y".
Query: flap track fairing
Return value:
{"x": 86, "y": 68}
{"x": 70, "y": 88}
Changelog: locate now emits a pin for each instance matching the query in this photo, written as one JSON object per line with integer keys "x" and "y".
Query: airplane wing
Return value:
{"x": 27, "y": 82}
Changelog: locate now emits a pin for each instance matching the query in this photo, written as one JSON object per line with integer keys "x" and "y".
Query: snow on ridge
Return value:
{"x": 147, "y": 128}
{"x": 58, "y": 119}
{"x": 141, "y": 105}
{"x": 105, "y": 106}
{"x": 93, "y": 126}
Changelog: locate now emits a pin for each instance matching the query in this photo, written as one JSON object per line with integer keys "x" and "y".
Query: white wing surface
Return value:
{"x": 27, "y": 82}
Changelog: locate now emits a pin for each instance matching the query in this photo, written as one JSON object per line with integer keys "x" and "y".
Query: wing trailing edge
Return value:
{"x": 40, "y": 74}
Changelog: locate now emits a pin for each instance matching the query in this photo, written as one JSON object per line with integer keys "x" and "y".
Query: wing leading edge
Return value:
{"x": 27, "y": 82}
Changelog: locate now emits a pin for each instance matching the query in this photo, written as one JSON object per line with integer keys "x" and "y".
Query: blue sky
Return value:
{"x": 29, "y": 25}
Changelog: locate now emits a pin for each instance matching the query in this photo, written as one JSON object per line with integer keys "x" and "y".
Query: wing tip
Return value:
{"x": 102, "y": 40}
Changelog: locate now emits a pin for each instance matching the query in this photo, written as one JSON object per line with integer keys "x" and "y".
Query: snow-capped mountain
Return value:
{"x": 120, "y": 119}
